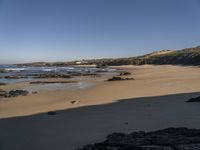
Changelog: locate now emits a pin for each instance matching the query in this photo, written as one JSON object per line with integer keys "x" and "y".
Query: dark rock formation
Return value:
{"x": 119, "y": 79}
{"x": 83, "y": 74}
{"x": 197, "y": 99}
{"x": 13, "y": 93}
{"x": 3, "y": 93}
{"x": 51, "y": 75}
{"x": 2, "y": 83}
{"x": 43, "y": 75}
{"x": 4, "y": 71}
{"x": 52, "y": 113}
{"x": 170, "y": 138}
{"x": 52, "y": 82}
{"x": 15, "y": 77}
{"x": 124, "y": 73}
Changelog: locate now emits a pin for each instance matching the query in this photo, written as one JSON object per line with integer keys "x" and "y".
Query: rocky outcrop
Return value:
{"x": 52, "y": 82}
{"x": 4, "y": 71}
{"x": 167, "y": 139}
{"x": 15, "y": 77}
{"x": 3, "y": 93}
{"x": 52, "y": 75}
{"x": 43, "y": 75}
{"x": 13, "y": 93}
{"x": 124, "y": 73}
{"x": 83, "y": 74}
{"x": 119, "y": 79}
{"x": 197, "y": 99}
{"x": 2, "y": 83}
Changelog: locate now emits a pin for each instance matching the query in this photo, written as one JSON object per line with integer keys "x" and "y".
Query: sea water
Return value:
{"x": 14, "y": 70}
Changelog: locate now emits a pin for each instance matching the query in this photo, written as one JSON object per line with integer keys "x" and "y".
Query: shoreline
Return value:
{"x": 150, "y": 80}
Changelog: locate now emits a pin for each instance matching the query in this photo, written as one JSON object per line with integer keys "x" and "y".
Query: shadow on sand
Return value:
{"x": 73, "y": 128}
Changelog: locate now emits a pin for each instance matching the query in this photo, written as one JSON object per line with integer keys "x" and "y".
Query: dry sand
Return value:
{"x": 154, "y": 100}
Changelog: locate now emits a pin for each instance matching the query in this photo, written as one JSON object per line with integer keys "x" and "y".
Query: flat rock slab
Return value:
{"x": 188, "y": 147}
{"x": 166, "y": 139}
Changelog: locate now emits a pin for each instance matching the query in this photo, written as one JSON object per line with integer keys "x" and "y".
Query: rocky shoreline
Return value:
{"x": 52, "y": 82}
{"x": 166, "y": 139}
{"x": 13, "y": 93}
{"x": 49, "y": 75}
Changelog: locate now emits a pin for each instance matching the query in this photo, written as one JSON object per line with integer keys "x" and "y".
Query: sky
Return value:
{"x": 64, "y": 30}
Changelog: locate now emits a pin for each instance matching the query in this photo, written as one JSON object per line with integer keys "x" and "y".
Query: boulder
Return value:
{"x": 197, "y": 99}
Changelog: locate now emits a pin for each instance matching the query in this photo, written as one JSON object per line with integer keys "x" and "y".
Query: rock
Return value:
{"x": 188, "y": 147}
{"x": 52, "y": 82}
{"x": 51, "y": 75}
{"x": 43, "y": 75}
{"x": 124, "y": 73}
{"x": 129, "y": 147}
{"x": 197, "y": 99}
{"x": 101, "y": 65}
{"x": 84, "y": 74}
{"x": 166, "y": 139}
{"x": 155, "y": 147}
{"x": 2, "y": 83}
{"x": 15, "y": 77}
{"x": 15, "y": 93}
{"x": 74, "y": 102}
{"x": 52, "y": 113}
{"x": 34, "y": 92}
{"x": 3, "y": 93}
{"x": 4, "y": 71}
{"x": 119, "y": 79}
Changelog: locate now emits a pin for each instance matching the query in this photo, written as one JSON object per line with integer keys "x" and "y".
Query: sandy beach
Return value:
{"x": 149, "y": 81}
{"x": 154, "y": 100}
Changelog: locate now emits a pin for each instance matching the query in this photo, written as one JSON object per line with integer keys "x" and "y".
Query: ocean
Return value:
{"x": 14, "y": 70}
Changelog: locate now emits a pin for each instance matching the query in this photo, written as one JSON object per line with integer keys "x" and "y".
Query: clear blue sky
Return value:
{"x": 61, "y": 30}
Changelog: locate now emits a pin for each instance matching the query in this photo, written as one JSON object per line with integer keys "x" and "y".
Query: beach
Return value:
{"x": 154, "y": 100}
{"x": 149, "y": 81}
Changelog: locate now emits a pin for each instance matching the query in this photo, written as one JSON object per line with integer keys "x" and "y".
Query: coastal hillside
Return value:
{"x": 187, "y": 56}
